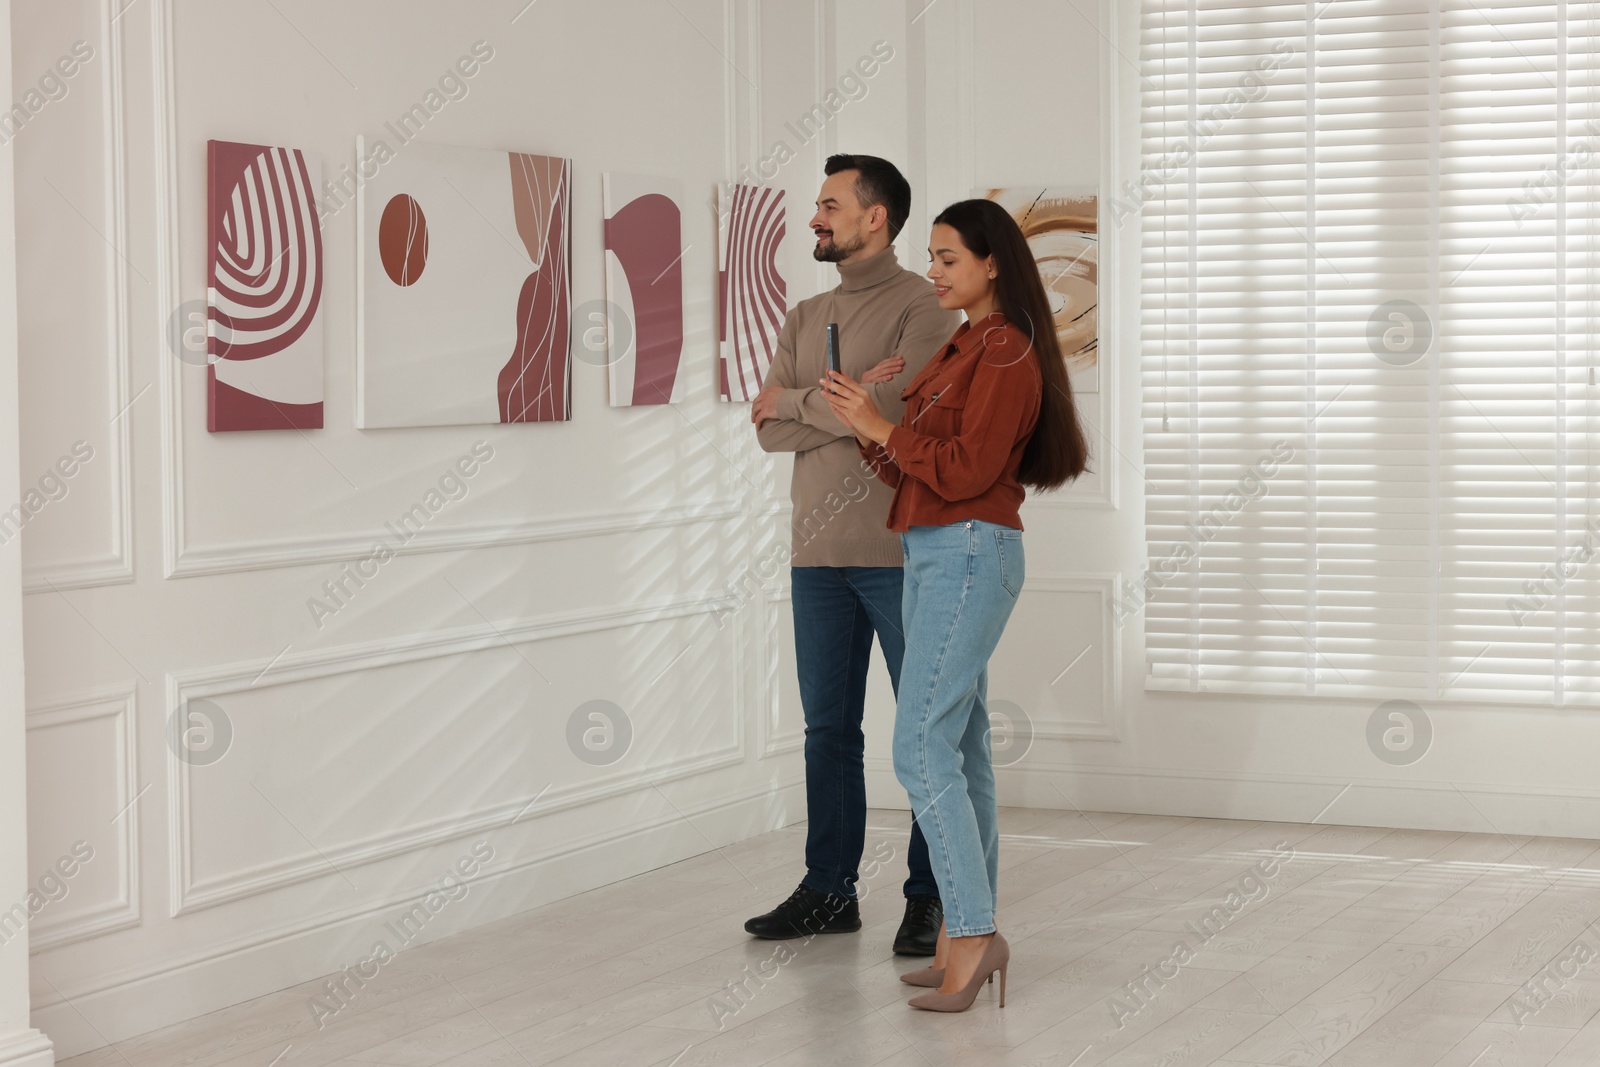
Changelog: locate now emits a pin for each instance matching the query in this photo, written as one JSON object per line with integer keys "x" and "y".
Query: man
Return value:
{"x": 846, "y": 564}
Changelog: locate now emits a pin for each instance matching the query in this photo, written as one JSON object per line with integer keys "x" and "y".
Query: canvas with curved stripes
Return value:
{"x": 754, "y": 298}
{"x": 264, "y": 289}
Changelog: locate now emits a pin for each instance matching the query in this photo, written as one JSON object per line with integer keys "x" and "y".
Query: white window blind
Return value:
{"x": 1368, "y": 329}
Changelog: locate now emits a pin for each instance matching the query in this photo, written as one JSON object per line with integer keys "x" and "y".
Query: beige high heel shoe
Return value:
{"x": 996, "y": 956}
{"x": 928, "y": 977}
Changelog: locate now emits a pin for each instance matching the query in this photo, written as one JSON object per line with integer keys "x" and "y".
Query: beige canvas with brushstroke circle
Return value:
{"x": 1062, "y": 228}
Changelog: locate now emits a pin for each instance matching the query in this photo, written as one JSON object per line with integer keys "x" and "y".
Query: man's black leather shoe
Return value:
{"x": 919, "y": 930}
{"x": 807, "y": 912}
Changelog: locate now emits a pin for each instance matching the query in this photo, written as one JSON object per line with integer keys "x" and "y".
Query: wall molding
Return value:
{"x": 27, "y": 1047}
{"x": 966, "y": 18}
{"x": 189, "y": 895}
{"x": 115, "y": 568}
{"x": 168, "y": 284}
{"x": 1103, "y": 585}
{"x": 1109, "y": 298}
{"x": 1382, "y": 803}
{"x": 1378, "y": 803}
{"x": 337, "y": 548}
{"x": 730, "y": 106}
{"x": 119, "y": 704}
{"x": 774, "y": 741}
{"x": 824, "y": 32}
{"x": 130, "y": 988}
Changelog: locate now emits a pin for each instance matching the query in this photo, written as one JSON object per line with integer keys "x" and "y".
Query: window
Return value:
{"x": 1367, "y": 343}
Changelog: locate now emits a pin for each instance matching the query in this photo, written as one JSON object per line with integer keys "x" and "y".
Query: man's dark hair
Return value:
{"x": 877, "y": 182}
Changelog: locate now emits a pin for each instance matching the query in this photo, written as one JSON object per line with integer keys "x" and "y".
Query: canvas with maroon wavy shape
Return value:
{"x": 644, "y": 281}
{"x": 536, "y": 385}
{"x": 264, "y": 289}
{"x": 754, "y": 298}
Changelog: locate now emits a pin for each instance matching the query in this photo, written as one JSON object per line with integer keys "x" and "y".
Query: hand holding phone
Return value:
{"x": 833, "y": 349}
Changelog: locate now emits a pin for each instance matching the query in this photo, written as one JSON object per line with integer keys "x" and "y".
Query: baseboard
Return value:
{"x": 28, "y": 1048}
{"x": 138, "y": 1004}
{"x": 1462, "y": 807}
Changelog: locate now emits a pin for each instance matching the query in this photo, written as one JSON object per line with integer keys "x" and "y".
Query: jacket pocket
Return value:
{"x": 941, "y": 415}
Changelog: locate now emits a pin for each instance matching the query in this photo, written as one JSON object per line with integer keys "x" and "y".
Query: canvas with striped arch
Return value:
{"x": 263, "y": 289}
{"x": 753, "y": 296}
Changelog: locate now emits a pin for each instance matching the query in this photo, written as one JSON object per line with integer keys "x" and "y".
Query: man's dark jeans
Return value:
{"x": 836, "y": 612}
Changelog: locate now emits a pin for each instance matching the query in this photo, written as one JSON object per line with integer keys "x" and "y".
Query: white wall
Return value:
{"x": 591, "y": 558}
{"x": 20, "y": 1044}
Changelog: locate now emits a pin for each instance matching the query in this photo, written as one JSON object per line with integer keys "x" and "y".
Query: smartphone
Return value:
{"x": 833, "y": 349}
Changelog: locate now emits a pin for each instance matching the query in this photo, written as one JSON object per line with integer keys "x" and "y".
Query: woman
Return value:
{"x": 989, "y": 415}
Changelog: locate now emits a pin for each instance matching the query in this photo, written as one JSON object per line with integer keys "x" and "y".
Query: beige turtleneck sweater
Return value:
{"x": 840, "y": 511}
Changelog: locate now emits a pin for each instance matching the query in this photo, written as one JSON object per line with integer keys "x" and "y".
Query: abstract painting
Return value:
{"x": 644, "y": 279}
{"x": 263, "y": 289}
{"x": 463, "y": 285}
{"x": 1062, "y": 228}
{"x": 750, "y": 227}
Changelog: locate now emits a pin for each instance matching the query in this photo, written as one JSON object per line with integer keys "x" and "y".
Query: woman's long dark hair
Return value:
{"x": 1058, "y": 451}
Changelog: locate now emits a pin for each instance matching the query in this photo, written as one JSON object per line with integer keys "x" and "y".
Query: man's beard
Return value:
{"x": 833, "y": 251}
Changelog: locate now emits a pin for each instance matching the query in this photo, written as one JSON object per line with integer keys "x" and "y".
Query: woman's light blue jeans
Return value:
{"x": 961, "y": 582}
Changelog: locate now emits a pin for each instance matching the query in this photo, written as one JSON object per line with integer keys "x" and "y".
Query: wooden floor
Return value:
{"x": 1362, "y": 948}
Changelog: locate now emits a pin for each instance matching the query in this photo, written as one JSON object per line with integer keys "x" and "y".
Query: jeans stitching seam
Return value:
{"x": 1000, "y": 550}
{"x": 838, "y": 792}
{"x": 922, "y": 731}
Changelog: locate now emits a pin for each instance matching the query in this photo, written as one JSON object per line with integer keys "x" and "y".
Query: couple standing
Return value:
{"x": 953, "y": 417}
